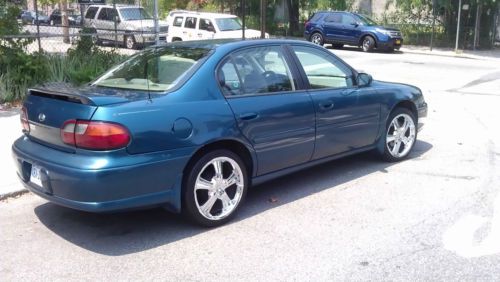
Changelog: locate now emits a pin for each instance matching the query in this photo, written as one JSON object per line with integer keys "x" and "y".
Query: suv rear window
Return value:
{"x": 91, "y": 12}
{"x": 156, "y": 69}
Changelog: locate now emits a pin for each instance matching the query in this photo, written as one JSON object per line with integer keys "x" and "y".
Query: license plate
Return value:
{"x": 398, "y": 41}
{"x": 36, "y": 177}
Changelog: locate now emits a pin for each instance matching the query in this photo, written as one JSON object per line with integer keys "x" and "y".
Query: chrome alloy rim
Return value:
{"x": 366, "y": 44}
{"x": 316, "y": 39}
{"x": 400, "y": 135}
{"x": 218, "y": 188}
{"x": 130, "y": 42}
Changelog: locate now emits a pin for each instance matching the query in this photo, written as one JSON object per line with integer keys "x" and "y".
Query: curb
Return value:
{"x": 450, "y": 55}
{"x": 14, "y": 194}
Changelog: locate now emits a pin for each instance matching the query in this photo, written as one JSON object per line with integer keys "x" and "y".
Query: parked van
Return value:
{"x": 188, "y": 25}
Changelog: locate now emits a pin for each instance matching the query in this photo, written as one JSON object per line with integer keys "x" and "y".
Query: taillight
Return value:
{"x": 24, "y": 120}
{"x": 94, "y": 135}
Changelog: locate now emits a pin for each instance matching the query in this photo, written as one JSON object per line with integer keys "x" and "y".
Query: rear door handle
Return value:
{"x": 249, "y": 116}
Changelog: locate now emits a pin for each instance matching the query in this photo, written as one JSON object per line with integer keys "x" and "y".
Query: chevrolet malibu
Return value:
{"x": 190, "y": 126}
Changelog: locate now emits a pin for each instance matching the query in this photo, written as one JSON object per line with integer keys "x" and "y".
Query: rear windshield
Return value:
{"x": 155, "y": 69}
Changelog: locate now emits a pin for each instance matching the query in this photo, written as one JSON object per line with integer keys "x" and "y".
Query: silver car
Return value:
{"x": 128, "y": 25}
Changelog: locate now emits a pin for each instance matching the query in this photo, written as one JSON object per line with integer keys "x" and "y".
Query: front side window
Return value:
{"x": 255, "y": 71}
{"x": 102, "y": 14}
{"x": 322, "y": 70}
{"x": 153, "y": 69}
{"x": 91, "y": 12}
{"x": 190, "y": 22}
{"x": 206, "y": 25}
{"x": 178, "y": 21}
{"x": 347, "y": 19}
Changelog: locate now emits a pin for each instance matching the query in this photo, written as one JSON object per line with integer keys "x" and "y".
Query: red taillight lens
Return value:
{"x": 94, "y": 135}
{"x": 24, "y": 120}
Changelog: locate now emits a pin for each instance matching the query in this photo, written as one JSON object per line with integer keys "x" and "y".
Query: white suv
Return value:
{"x": 133, "y": 25}
{"x": 187, "y": 25}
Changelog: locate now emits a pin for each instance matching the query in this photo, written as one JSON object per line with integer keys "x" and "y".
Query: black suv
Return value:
{"x": 345, "y": 28}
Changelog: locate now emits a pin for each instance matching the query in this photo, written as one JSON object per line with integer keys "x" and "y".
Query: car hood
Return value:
{"x": 249, "y": 33}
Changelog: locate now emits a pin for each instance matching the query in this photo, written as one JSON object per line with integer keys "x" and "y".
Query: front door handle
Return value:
{"x": 249, "y": 116}
{"x": 327, "y": 105}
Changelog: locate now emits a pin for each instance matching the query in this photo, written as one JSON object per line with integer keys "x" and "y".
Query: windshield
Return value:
{"x": 155, "y": 69}
{"x": 366, "y": 20}
{"x": 131, "y": 14}
{"x": 226, "y": 24}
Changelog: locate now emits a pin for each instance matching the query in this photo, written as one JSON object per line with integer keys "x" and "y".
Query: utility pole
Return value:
{"x": 155, "y": 16}
{"x": 434, "y": 4}
{"x": 263, "y": 18}
{"x": 242, "y": 6}
{"x": 477, "y": 25}
{"x": 458, "y": 24}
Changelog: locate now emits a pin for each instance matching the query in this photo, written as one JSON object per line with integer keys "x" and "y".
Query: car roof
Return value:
{"x": 117, "y": 6}
{"x": 233, "y": 43}
{"x": 201, "y": 14}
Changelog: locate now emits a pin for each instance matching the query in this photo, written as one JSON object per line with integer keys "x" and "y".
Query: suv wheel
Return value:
{"x": 368, "y": 44}
{"x": 129, "y": 42}
{"x": 317, "y": 39}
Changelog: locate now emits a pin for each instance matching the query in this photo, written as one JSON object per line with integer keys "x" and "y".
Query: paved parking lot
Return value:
{"x": 435, "y": 216}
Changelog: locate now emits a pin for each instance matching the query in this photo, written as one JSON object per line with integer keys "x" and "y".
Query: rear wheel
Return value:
{"x": 400, "y": 135}
{"x": 368, "y": 44}
{"x": 215, "y": 187}
{"x": 317, "y": 39}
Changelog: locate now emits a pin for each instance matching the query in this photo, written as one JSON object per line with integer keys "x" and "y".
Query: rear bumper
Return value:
{"x": 110, "y": 182}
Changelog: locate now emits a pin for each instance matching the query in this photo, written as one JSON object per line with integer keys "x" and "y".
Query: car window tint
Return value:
{"x": 91, "y": 12}
{"x": 111, "y": 14}
{"x": 347, "y": 19}
{"x": 334, "y": 18}
{"x": 254, "y": 71}
{"x": 190, "y": 22}
{"x": 178, "y": 21}
{"x": 102, "y": 14}
{"x": 322, "y": 70}
{"x": 205, "y": 25}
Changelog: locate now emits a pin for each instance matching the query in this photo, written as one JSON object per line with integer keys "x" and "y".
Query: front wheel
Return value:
{"x": 215, "y": 187}
{"x": 130, "y": 42}
{"x": 400, "y": 135}
{"x": 317, "y": 39}
{"x": 368, "y": 44}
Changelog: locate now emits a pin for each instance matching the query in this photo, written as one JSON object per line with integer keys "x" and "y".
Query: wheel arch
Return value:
{"x": 406, "y": 104}
{"x": 235, "y": 146}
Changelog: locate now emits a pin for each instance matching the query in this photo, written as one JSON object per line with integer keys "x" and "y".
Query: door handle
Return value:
{"x": 249, "y": 116}
{"x": 325, "y": 106}
{"x": 199, "y": 34}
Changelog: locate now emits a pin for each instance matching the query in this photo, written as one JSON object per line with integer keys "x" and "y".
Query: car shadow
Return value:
{"x": 135, "y": 231}
{"x": 356, "y": 49}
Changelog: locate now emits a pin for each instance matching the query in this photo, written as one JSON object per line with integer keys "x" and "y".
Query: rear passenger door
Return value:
{"x": 332, "y": 25}
{"x": 272, "y": 111}
{"x": 189, "y": 32}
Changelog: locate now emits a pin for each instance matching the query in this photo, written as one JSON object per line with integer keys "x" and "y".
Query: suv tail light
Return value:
{"x": 24, "y": 120}
{"x": 94, "y": 135}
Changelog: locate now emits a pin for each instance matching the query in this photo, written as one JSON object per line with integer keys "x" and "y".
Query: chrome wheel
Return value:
{"x": 129, "y": 42}
{"x": 368, "y": 44}
{"x": 218, "y": 188}
{"x": 317, "y": 39}
{"x": 401, "y": 135}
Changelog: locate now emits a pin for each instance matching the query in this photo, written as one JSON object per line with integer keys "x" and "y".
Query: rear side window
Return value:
{"x": 316, "y": 17}
{"x": 190, "y": 22}
{"x": 178, "y": 21}
{"x": 255, "y": 71}
{"x": 102, "y": 14}
{"x": 91, "y": 12}
{"x": 322, "y": 70}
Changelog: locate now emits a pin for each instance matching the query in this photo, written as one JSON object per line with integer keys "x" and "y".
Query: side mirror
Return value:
{"x": 363, "y": 79}
{"x": 355, "y": 24}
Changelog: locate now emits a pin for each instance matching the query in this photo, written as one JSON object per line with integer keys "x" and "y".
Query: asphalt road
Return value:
{"x": 435, "y": 216}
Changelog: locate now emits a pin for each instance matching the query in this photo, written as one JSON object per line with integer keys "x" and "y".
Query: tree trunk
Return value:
{"x": 64, "y": 20}
{"x": 293, "y": 15}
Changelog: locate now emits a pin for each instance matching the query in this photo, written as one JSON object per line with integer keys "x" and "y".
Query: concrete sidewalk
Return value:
{"x": 493, "y": 54}
{"x": 11, "y": 130}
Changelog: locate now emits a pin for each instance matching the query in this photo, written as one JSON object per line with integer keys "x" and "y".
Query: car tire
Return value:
{"x": 368, "y": 43}
{"x": 317, "y": 39}
{"x": 129, "y": 42}
{"x": 214, "y": 188}
{"x": 337, "y": 45}
{"x": 400, "y": 135}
